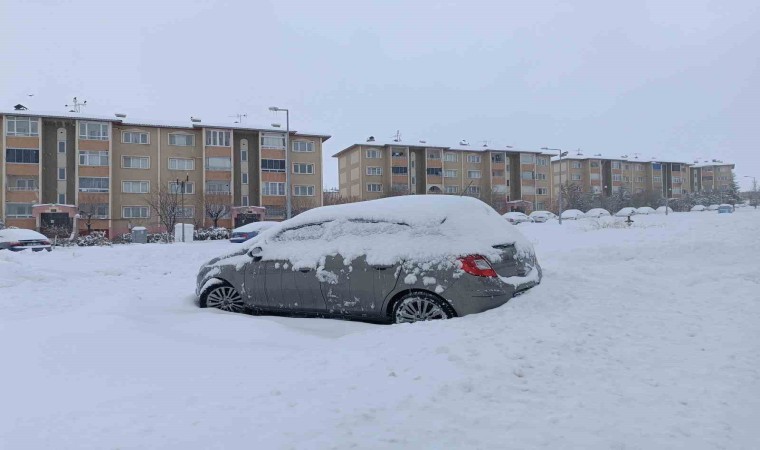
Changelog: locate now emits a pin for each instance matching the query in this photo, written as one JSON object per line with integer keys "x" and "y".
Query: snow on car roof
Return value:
{"x": 255, "y": 226}
{"x": 17, "y": 234}
{"x": 423, "y": 228}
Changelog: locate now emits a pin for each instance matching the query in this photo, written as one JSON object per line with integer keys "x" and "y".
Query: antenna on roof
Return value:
{"x": 371, "y": 139}
{"x": 20, "y": 107}
{"x": 422, "y": 141}
{"x": 579, "y": 152}
{"x": 240, "y": 117}
{"x": 636, "y": 155}
{"x": 75, "y": 105}
{"x": 397, "y": 136}
{"x": 464, "y": 142}
{"x": 120, "y": 115}
{"x": 624, "y": 156}
{"x": 485, "y": 143}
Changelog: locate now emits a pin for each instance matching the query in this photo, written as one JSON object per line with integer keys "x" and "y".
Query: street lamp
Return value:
{"x": 181, "y": 186}
{"x": 561, "y": 154}
{"x": 754, "y": 189}
{"x": 288, "y": 204}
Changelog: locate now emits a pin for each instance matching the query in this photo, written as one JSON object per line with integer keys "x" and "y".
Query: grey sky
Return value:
{"x": 677, "y": 79}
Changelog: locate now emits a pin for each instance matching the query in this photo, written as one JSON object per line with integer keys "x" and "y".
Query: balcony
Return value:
{"x": 23, "y": 184}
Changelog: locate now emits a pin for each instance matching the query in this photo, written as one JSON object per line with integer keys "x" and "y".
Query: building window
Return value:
{"x": 473, "y": 174}
{"x": 575, "y": 164}
{"x": 181, "y": 164}
{"x": 18, "y": 210}
{"x": 374, "y": 187}
{"x": 93, "y": 131}
{"x": 638, "y": 167}
{"x": 594, "y": 164}
{"x": 187, "y": 212}
{"x": 399, "y": 170}
{"x": 676, "y": 179}
{"x": 434, "y": 171}
{"x": 97, "y": 210}
{"x": 658, "y": 179}
{"x": 676, "y": 190}
{"x": 244, "y": 178}
{"x": 22, "y": 126}
{"x": 594, "y": 176}
{"x": 527, "y": 159}
{"x": 22, "y": 156}
{"x": 433, "y": 154}
{"x": 528, "y": 175}
{"x": 397, "y": 152}
{"x": 450, "y": 157}
{"x": 575, "y": 177}
{"x": 134, "y": 212}
{"x": 452, "y": 189}
{"x": 639, "y": 179}
{"x": 93, "y": 184}
{"x": 61, "y": 147}
{"x": 93, "y": 158}
{"x": 176, "y": 188}
{"x": 134, "y": 137}
{"x": 61, "y": 199}
{"x": 25, "y": 184}
{"x": 275, "y": 141}
{"x": 449, "y": 173}
{"x": 304, "y": 169}
{"x": 543, "y": 161}
{"x": 626, "y": 179}
{"x": 303, "y": 146}
{"x": 218, "y": 187}
{"x": 243, "y": 155}
{"x": 303, "y": 191}
{"x": 217, "y": 138}
{"x": 473, "y": 190}
{"x": 218, "y": 163}
{"x": 181, "y": 139}
{"x": 272, "y": 188}
{"x": 540, "y": 176}
{"x": 542, "y": 191}
{"x": 497, "y": 173}
{"x": 616, "y": 177}
{"x": 61, "y": 173}
{"x": 244, "y": 200}
{"x": 135, "y": 187}
{"x": 473, "y": 158}
{"x": 273, "y": 165}
{"x": 616, "y": 164}
{"x": 135, "y": 162}
{"x": 373, "y": 171}
{"x": 675, "y": 167}
{"x": 497, "y": 157}
{"x": 373, "y": 154}
{"x": 596, "y": 189}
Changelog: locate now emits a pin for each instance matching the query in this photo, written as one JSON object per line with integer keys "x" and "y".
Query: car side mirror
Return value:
{"x": 255, "y": 253}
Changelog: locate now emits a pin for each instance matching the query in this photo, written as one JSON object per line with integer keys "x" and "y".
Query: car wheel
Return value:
{"x": 421, "y": 306}
{"x": 224, "y": 297}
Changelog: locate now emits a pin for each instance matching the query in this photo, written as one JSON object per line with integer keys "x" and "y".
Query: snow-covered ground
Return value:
{"x": 643, "y": 337}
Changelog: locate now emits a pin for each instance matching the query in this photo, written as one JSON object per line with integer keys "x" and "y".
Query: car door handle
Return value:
{"x": 304, "y": 270}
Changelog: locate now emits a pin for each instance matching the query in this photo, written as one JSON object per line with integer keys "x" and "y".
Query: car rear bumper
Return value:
{"x": 470, "y": 295}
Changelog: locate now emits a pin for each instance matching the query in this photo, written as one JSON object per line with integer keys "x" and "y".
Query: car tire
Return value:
{"x": 420, "y": 306}
{"x": 223, "y": 296}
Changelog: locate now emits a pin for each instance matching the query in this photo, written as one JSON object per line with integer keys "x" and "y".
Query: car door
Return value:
{"x": 253, "y": 281}
{"x": 357, "y": 289}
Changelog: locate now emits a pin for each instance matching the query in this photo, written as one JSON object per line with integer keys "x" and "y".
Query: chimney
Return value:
{"x": 371, "y": 139}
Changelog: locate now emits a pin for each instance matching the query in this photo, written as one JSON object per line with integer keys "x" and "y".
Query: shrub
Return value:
{"x": 211, "y": 234}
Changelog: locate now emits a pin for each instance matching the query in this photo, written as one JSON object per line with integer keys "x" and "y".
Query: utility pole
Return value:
{"x": 288, "y": 169}
{"x": 181, "y": 186}
{"x": 561, "y": 154}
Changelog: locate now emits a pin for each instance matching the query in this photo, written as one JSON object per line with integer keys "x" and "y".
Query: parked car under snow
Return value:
{"x": 572, "y": 214}
{"x": 399, "y": 259}
{"x": 517, "y": 217}
{"x": 542, "y": 216}
{"x": 249, "y": 231}
{"x": 17, "y": 239}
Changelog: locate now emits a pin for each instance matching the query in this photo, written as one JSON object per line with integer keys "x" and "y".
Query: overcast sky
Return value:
{"x": 671, "y": 79}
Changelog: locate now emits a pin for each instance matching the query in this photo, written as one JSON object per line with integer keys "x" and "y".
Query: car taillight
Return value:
{"x": 15, "y": 244}
{"x": 45, "y": 242}
{"x": 477, "y": 265}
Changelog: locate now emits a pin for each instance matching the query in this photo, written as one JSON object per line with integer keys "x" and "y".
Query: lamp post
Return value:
{"x": 288, "y": 203}
{"x": 181, "y": 186}
{"x": 754, "y": 189}
{"x": 561, "y": 154}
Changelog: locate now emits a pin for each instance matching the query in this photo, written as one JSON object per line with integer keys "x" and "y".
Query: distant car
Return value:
{"x": 661, "y": 210}
{"x": 542, "y": 216}
{"x": 644, "y": 210}
{"x": 17, "y": 239}
{"x": 517, "y": 217}
{"x": 625, "y": 212}
{"x": 399, "y": 259}
{"x": 713, "y": 207}
{"x": 725, "y": 209}
{"x": 698, "y": 208}
{"x": 597, "y": 212}
{"x": 249, "y": 231}
{"x": 572, "y": 214}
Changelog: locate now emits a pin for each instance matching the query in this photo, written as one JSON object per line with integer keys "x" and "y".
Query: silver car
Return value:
{"x": 346, "y": 280}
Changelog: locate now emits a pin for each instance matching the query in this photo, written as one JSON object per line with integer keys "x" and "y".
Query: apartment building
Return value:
{"x": 606, "y": 175}
{"x": 54, "y": 166}
{"x": 711, "y": 175}
{"x": 506, "y": 178}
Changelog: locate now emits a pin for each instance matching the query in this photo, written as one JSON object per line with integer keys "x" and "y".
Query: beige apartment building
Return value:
{"x": 506, "y": 178}
{"x": 54, "y": 166}
{"x": 712, "y": 175}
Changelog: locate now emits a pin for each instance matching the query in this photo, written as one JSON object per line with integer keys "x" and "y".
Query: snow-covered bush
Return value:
{"x": 211, "y": 234}
{"x": 159, "y": 238}
{"x": 94, "y": 239}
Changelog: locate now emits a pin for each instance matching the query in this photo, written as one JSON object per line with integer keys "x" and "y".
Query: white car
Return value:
{"x": 517, "y": 217}
{"x": 625, "y": 212}
{"x": 644, "y": 210}
{"x": 713, "y": 207}
{"x": 597, "y": 213}
{"x": 17, "y": 239}
{"x": 661, "y": 210}
{"x": 249, "y": 231}
{"x": 573, "y": 214}
{"x": 698, "y": 208}
{"x": 542, "y": 216}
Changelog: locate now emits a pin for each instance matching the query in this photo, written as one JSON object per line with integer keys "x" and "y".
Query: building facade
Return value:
{"x": 54, "y": 167}
{"x": 507, "y": 179}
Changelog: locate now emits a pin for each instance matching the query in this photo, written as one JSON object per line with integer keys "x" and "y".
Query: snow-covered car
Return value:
{"x": 17, "y": 239}
{"x": 249, "y": 231}
{"x": 517, "y": 217}
{"x": 597, "y": 212}
{"x": 725, "y": 209}
{"x": 542, "y": 216}
{"x": 645, "y": 210}
{"x": 399, "y": 259}
{"x": 661, "y": 210}
{"x": 713, "y": 207}
{"x": 572, "y": 214}
{"x": 698, "y": 208}
{"x": 625, "y": 212}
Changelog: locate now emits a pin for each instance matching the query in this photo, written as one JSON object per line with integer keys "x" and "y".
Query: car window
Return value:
{"x": 370, "y": 228}
{"x": 301, "y": 233}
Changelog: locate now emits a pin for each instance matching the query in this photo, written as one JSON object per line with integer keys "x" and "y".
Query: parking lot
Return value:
{"x": 638, "y": 337}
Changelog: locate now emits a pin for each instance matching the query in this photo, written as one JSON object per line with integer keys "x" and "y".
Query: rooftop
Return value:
{"x": 574, "y": 155}
{"x": 463, "y": 145}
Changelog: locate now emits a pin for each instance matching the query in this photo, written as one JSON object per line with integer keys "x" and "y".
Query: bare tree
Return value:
{"x": 165, "y": 204}
{"x": 333, "y": 197}
{"x": 91, "y": 207}
{"x": 300, "y": 204}
{"x": 217, "y": 206}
